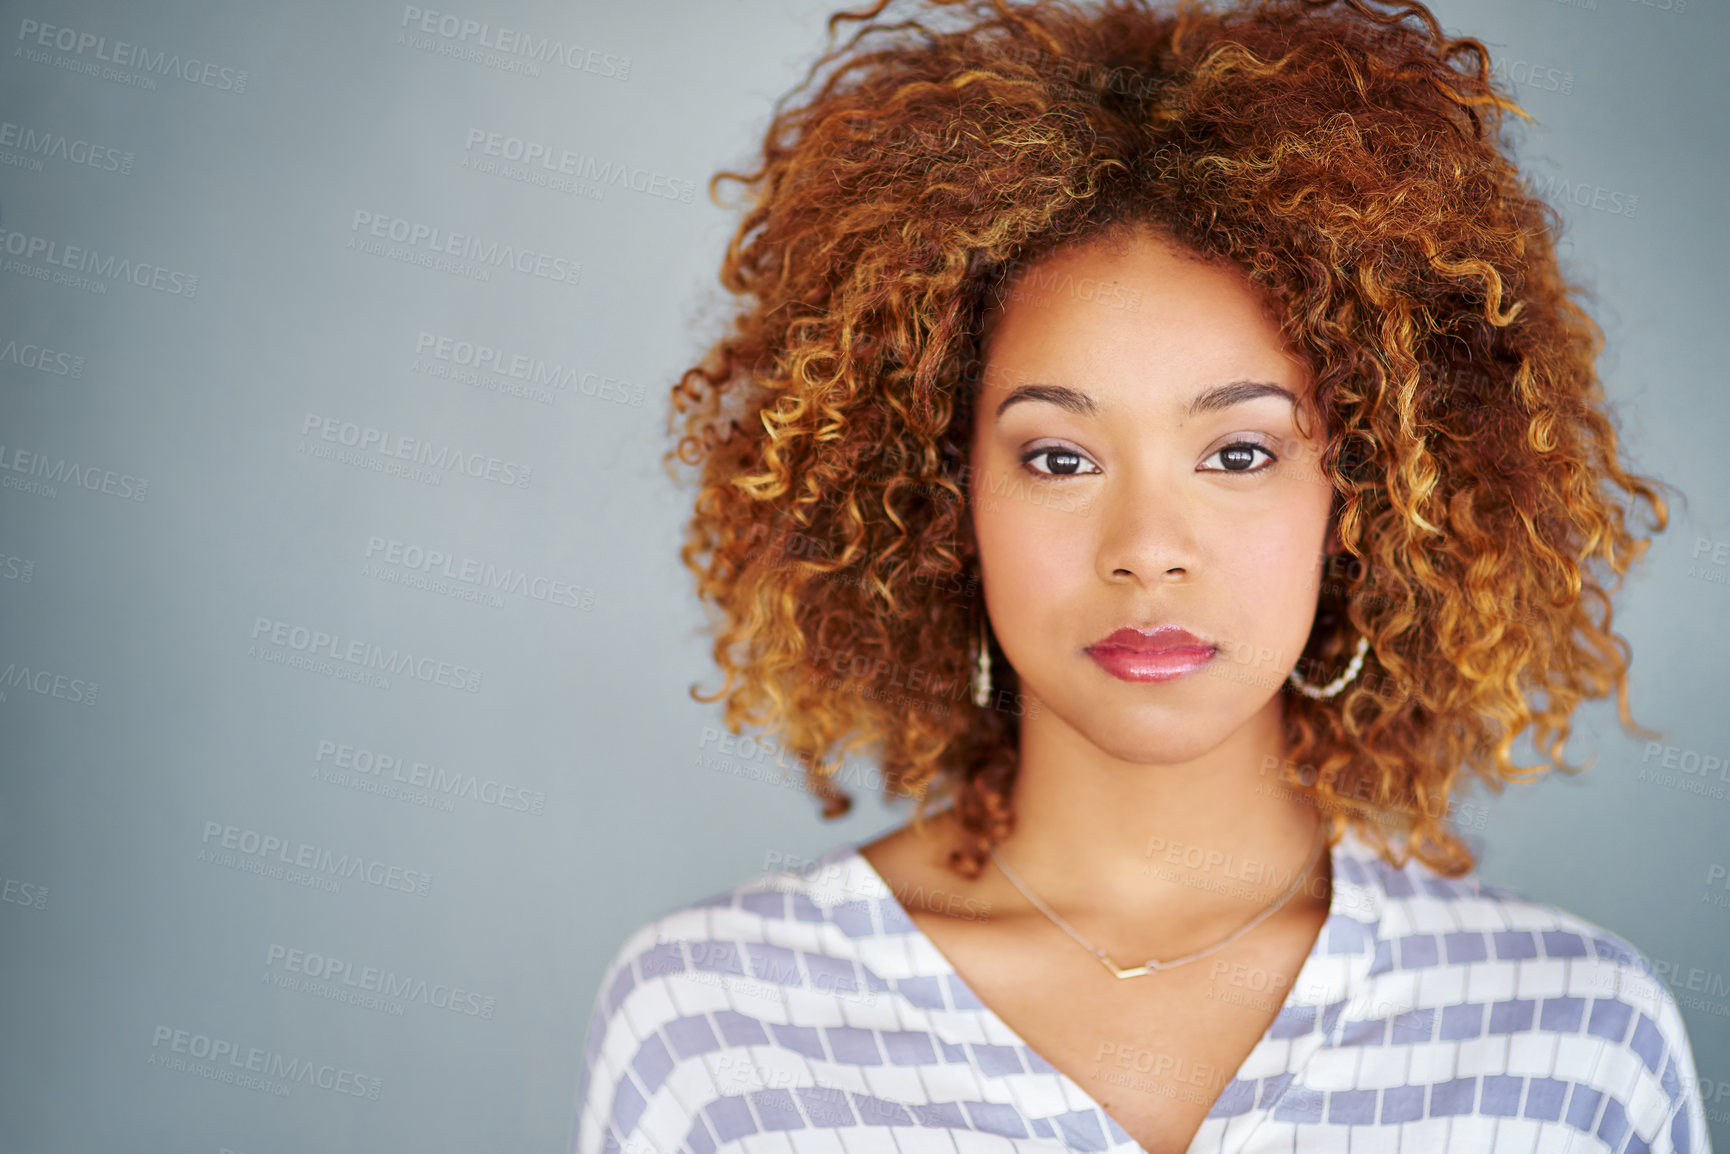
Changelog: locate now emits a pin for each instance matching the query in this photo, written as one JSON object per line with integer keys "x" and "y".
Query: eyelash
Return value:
{"x": 1052, "y": 450}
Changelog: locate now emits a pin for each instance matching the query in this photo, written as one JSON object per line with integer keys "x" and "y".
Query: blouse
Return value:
{"x": 803, "y": 1011}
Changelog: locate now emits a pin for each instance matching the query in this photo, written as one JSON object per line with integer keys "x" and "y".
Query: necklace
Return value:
{"x": 1153, "y": 965}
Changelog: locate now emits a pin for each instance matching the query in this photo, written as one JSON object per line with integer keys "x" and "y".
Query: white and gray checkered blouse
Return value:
{"x": 804, "y": 1011}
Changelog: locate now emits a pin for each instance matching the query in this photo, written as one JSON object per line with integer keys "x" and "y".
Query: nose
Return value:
{"x": 1146, "y": 532}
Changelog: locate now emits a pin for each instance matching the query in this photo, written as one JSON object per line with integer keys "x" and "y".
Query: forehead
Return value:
{"x": 1134, "y": 311}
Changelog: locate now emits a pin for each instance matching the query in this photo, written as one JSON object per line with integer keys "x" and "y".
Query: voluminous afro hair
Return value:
{"x": 1349, "y": 159}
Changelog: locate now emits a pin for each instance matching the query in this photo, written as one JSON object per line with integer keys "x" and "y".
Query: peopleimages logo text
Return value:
{"x": 47, "y": 683}
{"x": 42, "y": 359}
{"x": 465, "y": 246}
{"x": 263, "y": 1062}
{"x": 61, "y": 471}
{"x": 81, "y": 259}
{"x": 485, "y": 574}
{"x": 316, "y": 967}
{"x": 513, "y": 42}
{"x": 354, "y": 651}
{"x": 59, "y": 146}
{"x": 318, "y": 859}
{"x": 367, "y": 438}
{"x": 125, "y": 55}
{"x": 563, "y": 161}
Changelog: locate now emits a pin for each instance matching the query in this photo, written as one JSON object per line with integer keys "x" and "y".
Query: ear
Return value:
{"x": 1331, "y": 543}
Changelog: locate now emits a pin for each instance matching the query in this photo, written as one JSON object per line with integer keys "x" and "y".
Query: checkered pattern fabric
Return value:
{"x": 804, "y": 1011}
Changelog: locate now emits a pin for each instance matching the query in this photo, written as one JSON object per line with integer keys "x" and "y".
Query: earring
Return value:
{"x": 1333, "y": 687}
{"x": 982, "y": 671}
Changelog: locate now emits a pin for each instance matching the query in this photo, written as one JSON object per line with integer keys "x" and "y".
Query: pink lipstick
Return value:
{"x": 1162, "y": 654}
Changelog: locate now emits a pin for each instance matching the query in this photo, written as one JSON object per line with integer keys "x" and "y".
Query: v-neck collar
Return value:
{"x": 1336, "y": 969}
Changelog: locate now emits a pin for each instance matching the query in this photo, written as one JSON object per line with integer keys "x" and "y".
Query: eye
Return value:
{"x": 1239, "y": 457}
{"x": 1064, "y": 462}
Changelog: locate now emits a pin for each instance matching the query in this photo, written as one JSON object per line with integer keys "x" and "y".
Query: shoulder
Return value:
{"x": 758, "y": 929}
{"x": 1557, "y": 998}
{"x": 775, "y": 960}
{"x": 1428, "y": 920}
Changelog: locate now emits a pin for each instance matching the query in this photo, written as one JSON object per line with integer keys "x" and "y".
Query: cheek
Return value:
{"x": 1275, "y": 564}
{"x": 1034, "y": 556}
{"x": 1280, "y": 557}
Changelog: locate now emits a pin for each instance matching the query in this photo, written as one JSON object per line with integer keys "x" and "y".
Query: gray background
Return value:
{"x": 123, "y": 922}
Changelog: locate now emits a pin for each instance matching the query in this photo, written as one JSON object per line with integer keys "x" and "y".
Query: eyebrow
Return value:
{"x": 1214, "y": 399}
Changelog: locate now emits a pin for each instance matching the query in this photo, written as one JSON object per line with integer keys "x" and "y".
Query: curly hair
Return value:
{"x": 1352, "y": 162}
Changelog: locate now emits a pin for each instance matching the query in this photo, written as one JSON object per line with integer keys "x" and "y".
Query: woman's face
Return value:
{"x": 1138, "y": 464}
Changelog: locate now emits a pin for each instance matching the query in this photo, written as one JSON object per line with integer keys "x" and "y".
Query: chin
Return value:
{"x": 1150, "y": 735}
{"x": 1176, "y": 746}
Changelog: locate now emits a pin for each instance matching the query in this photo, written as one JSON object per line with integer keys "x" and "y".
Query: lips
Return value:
{"x": 1162, "y": 654}
{"x": 1157, "y": 640}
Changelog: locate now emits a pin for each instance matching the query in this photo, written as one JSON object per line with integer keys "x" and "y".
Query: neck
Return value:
{"x": 1191, "y": 848}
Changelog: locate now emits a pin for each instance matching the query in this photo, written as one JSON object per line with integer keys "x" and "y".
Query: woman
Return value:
{"x": 1165, "y": 440}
